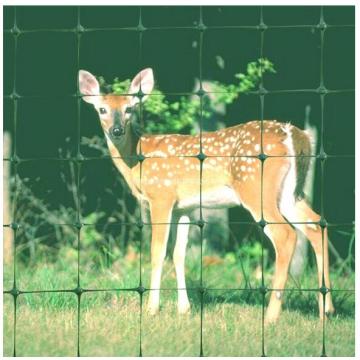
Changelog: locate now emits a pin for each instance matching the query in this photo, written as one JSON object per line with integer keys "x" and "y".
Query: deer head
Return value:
{"x": 115, "y": 110}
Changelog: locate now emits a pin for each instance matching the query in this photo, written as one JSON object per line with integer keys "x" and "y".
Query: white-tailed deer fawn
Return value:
{"x": 260, "y": 165}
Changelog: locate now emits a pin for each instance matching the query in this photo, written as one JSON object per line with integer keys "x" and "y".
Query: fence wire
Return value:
{"x": 322, "y": 91}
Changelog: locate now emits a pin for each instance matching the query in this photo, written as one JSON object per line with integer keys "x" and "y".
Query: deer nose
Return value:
{"x": 117, "y": 131}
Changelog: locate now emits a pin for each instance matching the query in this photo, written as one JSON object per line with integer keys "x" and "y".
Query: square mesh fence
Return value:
{"x": 205, "y": 28}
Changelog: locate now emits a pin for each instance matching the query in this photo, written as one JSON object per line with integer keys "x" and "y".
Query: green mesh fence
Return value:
{"x": 321, "y": 90}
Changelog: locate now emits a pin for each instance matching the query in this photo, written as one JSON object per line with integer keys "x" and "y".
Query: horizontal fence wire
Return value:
{"x": 322, "y": 91}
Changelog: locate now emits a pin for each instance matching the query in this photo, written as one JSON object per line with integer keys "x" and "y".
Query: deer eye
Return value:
{"x": 129, "y": 110}
{"x": 102, "y": 110}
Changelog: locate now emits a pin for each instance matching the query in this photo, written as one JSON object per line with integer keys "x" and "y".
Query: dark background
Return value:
{"x": 46, "y": 64}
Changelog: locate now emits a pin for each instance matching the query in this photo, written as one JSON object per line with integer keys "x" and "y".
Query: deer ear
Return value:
{"x": 144, "y": 80}
{"x": 88, "y": 85}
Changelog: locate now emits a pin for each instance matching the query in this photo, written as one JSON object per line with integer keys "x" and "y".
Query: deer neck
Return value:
{"x": 124, "y": 155}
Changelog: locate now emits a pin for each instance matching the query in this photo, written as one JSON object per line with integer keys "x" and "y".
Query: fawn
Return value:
{"x": 261, "y": 165}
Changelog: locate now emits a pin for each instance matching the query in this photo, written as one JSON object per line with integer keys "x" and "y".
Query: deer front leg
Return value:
{"x": 179, "y": 262}
{"x": 160, "y": 219}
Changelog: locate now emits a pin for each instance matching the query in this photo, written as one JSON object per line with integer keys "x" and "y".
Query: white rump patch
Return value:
{"x": 287, "y": 200}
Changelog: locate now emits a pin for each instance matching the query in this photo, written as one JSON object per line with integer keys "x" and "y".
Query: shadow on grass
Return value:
{"x": 303, "y": 302}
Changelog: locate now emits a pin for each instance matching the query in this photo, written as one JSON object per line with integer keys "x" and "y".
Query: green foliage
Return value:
{"x": 118, "y": 87}
{"x": 249, "y": 254}
{"x": 44, "y": 239}
{"x": 247, "y": 81}
{"x": 163, "y": 116}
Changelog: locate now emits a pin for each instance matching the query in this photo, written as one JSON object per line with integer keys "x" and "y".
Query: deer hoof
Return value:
{"x": 184, "y": 309}
{"x": 271, "y": 319}
{"x": 151, "y": 310}
{"x": 330, "y": 312}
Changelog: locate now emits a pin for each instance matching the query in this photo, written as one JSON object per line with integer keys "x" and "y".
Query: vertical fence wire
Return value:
{"x": 322, "y": 92}
{"x": 201, "y": 28}
{"x": 262, "y": 158}
{"x": 15, "y": 161}
{"x": 141, "y": 158}
{"x": 78, "y": 224}
{"x": 262, "y": 92}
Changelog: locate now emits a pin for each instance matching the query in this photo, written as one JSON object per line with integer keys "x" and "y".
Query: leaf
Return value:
{"x": 220, "y": 62}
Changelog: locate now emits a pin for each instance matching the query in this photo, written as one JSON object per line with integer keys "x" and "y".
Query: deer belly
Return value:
{"x": 222, "y": 197}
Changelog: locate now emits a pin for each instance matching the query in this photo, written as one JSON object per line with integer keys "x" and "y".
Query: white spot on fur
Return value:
{"x": 171, "y": 149}
{"x": 156, "y": 153}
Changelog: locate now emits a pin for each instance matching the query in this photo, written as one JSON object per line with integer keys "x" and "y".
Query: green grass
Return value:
{"x": 47, "y": 323}
{"x": 111, "y": 327}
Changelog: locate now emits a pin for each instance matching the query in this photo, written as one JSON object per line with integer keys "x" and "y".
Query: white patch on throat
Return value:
{"x": 107, "y": 136}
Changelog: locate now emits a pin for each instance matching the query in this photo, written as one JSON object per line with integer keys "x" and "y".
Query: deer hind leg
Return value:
{"x": 319, "y": 241}
{"x": 281, "y": 234}
{"x": 160, "y": 219}
{"x": 283, "y": 238}
{"x": 179, "y": 262}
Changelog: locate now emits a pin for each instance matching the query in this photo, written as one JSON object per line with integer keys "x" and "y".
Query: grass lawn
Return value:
{"x": 110, "y": 322}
